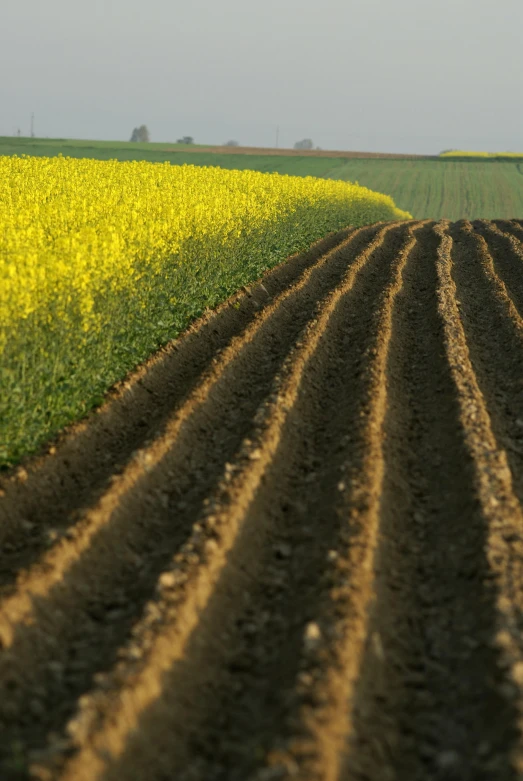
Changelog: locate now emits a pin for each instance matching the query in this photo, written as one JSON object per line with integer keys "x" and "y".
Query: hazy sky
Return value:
{"x": 386, "y": 75}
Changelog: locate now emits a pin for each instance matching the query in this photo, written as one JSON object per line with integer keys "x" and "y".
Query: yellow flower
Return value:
{"x": 100, "y": 261}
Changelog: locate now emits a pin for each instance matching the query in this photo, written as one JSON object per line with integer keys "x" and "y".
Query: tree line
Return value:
{"x": 141, "y": 135}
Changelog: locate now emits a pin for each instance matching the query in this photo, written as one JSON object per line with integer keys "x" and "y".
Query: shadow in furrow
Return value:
{"x": 507, "y": 263}
{"x": 514, "y": 227}
{"x": 230, "y": 699}
{"x": 428, "y": 702}
{"x": 495, "y": 345}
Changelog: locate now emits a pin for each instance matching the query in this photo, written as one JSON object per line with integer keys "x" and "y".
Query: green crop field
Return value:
{"x": 440, "y": 189}
{"x": 433, "y": 188}
{"x": 75, "y": 147}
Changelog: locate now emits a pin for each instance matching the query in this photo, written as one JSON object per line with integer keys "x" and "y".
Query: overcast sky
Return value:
{"x": 377, "y": 75}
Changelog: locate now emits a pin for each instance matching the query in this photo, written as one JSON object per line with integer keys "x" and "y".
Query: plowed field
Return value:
{"x": 291, "y": 545}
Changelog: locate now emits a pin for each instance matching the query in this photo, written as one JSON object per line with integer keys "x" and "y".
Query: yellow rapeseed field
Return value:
{"x": 102, "y": 261}
{"x": 464, "y": 153}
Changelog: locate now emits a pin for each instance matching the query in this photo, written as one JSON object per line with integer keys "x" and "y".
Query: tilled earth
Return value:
{"x": 290, "y": 546}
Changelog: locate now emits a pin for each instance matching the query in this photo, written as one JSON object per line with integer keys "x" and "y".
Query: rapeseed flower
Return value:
{"x": 102, "y": 261}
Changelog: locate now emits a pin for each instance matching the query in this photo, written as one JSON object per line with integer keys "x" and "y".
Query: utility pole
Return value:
{"x": 277, "y": 135}
{"x": 32, "y": 125}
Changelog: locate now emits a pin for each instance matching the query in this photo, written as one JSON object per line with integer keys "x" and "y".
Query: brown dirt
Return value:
{"x": 290, "y": 545}
{"x": 256, "y": 150}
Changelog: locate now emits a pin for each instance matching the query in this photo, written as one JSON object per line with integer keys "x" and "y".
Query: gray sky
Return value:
{"x": 377, "y": 75}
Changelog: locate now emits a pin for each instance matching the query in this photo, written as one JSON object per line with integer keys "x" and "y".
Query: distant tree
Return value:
{"x": 185, "y": 140}
{"x": 306, "y": 143}
{"x": 141, "y": 134}
{"x": 231, "y": 143}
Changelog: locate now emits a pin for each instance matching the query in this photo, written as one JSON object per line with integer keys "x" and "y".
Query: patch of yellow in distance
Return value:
{"x": 464, "y": 153}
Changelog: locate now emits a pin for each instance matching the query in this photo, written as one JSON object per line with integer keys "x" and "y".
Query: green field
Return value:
{"x": 443, "y": 189}
{"x": 76, "y": 147}
{"x": 428, "y": 188}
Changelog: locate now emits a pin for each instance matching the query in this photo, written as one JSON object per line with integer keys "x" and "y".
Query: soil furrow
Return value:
{"x": 507, "y": 255}
{"x": 43, "y": 496}
{"x": 494, "y": 330}
{"x": 512, "y": 227}
{"x": 431, "y": 678}
{"x": 176, "y": 694}
{"x": 316, "y": 722}
{"x": 79, "y": 603}
{"x": 497, "y": 501}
